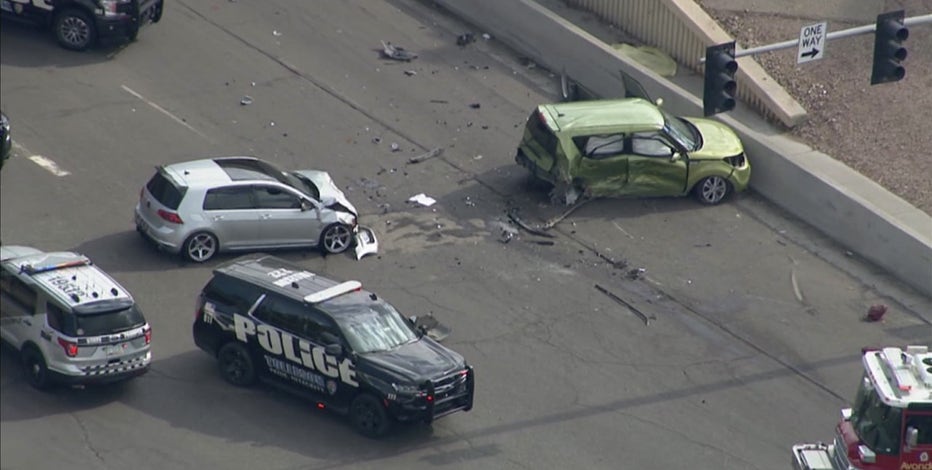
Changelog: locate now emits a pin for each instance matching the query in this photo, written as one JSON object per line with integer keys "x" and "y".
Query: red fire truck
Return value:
{"x": 889, "y": 427}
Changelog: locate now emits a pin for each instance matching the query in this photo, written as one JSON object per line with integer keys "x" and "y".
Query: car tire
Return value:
{"x": 336, "y": 238}
{"x": 200, "y": 247}
{"x": 74, "y": 29}
{"x": 37, "y": 372}
{"x": 712, "y": 190}
{"x": 236, "y": 364}
{"x": 157, "y": 14}
{"x": 368, "y": 416}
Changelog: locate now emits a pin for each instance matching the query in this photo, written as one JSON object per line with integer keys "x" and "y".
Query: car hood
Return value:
{"x": 718, "y": 140}
{"x": 328, "y": 189}
{"x": 418, "y": 361}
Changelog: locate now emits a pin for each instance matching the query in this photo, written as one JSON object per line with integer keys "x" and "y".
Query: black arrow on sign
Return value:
{"x": 814, "y": 52}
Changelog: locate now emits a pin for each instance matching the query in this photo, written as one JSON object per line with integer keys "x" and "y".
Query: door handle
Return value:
{"x": 266, "y": 216}
{"x": 218, "y": 217}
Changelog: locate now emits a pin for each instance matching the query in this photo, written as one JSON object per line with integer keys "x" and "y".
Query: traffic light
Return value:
{"x": 888, "y": 48}
{"x": 718, "y": 95}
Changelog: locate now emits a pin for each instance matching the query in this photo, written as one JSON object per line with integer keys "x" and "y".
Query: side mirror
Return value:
{"x": 912, "y": 437}
{"x": 676, "y": 157}
{"x": 659, "y": 102}
{"x": 335, "y": 350}
{"x": 306, "y": 205}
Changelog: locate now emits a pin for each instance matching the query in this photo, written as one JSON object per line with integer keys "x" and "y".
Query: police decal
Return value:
{"x": 282, "y": 344}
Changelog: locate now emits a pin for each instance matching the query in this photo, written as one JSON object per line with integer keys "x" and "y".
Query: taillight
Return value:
{"x": 71, "y": 349}
{"x": 148, "y": 334}
{"x": 170, "y": 216}
{"x": 199, "y": 307}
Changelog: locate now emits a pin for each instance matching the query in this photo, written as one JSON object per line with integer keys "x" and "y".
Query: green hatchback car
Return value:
{"x": 631, "y": 147}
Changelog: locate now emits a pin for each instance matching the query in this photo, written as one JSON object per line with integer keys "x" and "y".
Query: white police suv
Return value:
{"x": 332, "y": 342}
{"x": 70, "y": 321}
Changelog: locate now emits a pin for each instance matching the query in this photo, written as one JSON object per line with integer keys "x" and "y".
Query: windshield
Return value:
{"x": 375, "y": 327}
{"x": 877, "y": 424}
{"x": 682, "y": 131}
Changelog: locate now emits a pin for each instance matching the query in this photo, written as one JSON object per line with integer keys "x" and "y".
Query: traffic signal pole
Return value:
{"x": 845, "y": 33}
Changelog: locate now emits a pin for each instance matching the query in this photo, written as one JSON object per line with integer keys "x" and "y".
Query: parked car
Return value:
{"x": 69, "y": 320}
{"x": 331, "y": 342}
{"x": 6, "y": 140}
{"x": 78, "y": 24}
{"x": 631, "y": 147}
{"x": 202, "y": 207}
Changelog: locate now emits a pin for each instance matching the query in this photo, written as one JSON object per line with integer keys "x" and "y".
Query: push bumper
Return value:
{"x": 442, "y": 400}
{"x": 129, "y": 22}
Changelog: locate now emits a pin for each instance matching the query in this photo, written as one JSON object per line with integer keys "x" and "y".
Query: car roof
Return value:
{"x": 636, "y": 113}
{"x": 69, "y": 277}
{"x": 277, "y": 275}
{"x": 210, "y": 172}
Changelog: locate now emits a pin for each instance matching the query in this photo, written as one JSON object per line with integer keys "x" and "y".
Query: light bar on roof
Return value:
{"x": 68, "y": 264}
{"x": 331, "y": 292}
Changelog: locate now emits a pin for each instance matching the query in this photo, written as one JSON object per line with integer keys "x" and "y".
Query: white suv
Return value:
{"x": 70, "y": 321}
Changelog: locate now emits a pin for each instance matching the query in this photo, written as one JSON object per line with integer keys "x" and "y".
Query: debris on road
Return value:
{"x": 637, "y": 273}
{"x": 465, "y": 38}
{"x": 422, "y": 199}
{"x": 397, "y": 52}
{"x": 432, "y": 327}
{"x": 486, "y": 36}
{"x": 439, "y": 101}
{"x": 617, "y": 264}
{"x": 506, "y": 231}
{"x": 395, "y": 147}
{"x": 542, "y": 242}
{"x": 644, "y": 317}
{"x": 554, "y": 221}
{"x": 513, "y": 215}
{"x": 410, "y": 73}
{"x": 875, "y": 313}
{"x": 475, "y": 105}
{"x": 376, "y": 140}
{"x": 246, "y": 100}
{"x": 276, "y": 33}
{"x": 426, "y": 156}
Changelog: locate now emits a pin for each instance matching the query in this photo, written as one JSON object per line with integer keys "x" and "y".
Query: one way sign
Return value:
{"x": 812, "y": 42}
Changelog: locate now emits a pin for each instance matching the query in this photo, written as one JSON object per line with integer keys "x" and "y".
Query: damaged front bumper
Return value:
{"x": 366, "y": 243}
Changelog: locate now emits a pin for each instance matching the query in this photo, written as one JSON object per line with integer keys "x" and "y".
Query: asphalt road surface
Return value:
{"x": 755, "y": 321}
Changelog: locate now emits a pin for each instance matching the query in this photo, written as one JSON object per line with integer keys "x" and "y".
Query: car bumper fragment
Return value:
{"x": 366, "y": 243}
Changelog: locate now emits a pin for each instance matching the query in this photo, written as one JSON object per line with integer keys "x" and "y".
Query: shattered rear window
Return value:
{"x": 542, "y": 133}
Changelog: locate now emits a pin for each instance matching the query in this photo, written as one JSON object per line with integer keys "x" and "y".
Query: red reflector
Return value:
{"x": 148, "y": 334}
{"x": 170, "y": 216}
{"x": 320, "y": 406}
{"x": 71, "y": 349}
{"x": 430, "y": 398}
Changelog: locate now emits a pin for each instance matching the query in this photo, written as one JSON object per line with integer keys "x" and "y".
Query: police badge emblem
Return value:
{"x": 331, "y": 386}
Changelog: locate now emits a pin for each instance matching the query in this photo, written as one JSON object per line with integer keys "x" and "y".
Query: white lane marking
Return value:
{"x": 163, "y": 111}
{"x": 49, "y": 165}
{"x": 45, "y": 163}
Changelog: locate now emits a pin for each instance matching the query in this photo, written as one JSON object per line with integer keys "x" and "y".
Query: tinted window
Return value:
{"x": 56, "y": 316}
{"x": 103, "y": 323}
{"x": 232, "y": 293}
{"x": 650, "y": 145}
{"x": 17, "y": 298}
{"x": 922, "y": 423}
{"x": 272, "y": 197}
{"x": 164, "y": 191}
{"x": 283, "y": 313}
{"x": 229, "y": 198}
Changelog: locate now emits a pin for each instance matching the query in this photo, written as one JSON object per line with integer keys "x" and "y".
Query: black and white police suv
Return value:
{"x": 72, "y": 323}
{"x": 332, "y": 342}
{"x": 78, "y": 24}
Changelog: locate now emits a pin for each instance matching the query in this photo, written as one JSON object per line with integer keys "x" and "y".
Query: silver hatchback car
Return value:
{"x": 203, "y": 207}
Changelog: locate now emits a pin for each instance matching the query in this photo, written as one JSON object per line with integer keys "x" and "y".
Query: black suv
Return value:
{"x": 333, "y": 342}
{"x": 78, "y": 24}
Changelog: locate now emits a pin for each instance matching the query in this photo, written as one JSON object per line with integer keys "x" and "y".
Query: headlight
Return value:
{"x": 407, "y": 389}
{"x": 738, "y": 161}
